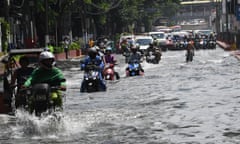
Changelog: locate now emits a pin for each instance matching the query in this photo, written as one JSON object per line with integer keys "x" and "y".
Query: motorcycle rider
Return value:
{"x": 100, "y": 52}
{"x": 155, "y": 50}
{"x": 135, "y": 56}
{"x": 20, "y": 75}
{"x": 212, "y": 36}
{"x": 94, "y": 59}
{"x": 47, "y": 73}
{"x": 109, "y": 59}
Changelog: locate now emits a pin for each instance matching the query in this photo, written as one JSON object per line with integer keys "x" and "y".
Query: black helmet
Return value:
{"x": 92, "y": 52}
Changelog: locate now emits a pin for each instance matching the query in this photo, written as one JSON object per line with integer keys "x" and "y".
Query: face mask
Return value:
{"x": 47, "y": 65}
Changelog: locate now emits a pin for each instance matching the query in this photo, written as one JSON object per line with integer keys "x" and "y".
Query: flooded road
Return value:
{"x": 174, "y": 103}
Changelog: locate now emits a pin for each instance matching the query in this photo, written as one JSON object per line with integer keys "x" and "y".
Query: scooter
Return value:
{"x": 91, "y": 80}
{"x": 153, "y": 57}
{"x": 109, "y": 72}
{"x": 133, "y": 69}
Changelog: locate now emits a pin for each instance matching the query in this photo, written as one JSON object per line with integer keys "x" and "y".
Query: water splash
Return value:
{"x": 31, "y": 125}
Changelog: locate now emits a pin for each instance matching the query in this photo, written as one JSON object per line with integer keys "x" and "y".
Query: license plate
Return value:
{"x": 41, "y": 97}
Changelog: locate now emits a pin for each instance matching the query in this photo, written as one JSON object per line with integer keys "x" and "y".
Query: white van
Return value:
{"x": 143, "y": 41}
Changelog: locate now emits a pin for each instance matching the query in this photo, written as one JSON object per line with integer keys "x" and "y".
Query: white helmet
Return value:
{"x": 46, "y": 55}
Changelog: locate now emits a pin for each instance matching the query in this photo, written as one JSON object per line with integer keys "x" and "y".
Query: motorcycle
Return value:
{"x": 182, "y": 45}
{"x": 133, "y": 69}
{"x": 197, "y": 44}
{"x": 42, "y": 98}
{"x": 211, "y": 44}
{"x": 153, "y": 57}
{"x": 91, "y": 79}
{"x": 203, "y": 44}
{"x": 109, "y": 72}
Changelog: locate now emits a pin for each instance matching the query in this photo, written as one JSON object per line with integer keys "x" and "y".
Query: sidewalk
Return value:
{"x": 236, "y": 54}
{"x": 223, "y": 45}
{"x": 227, "y": 47}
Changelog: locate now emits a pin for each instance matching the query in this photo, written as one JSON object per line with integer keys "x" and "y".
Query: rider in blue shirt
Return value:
{"x": 93, "y": 59}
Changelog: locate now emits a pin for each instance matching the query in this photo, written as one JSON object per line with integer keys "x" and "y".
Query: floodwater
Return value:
{"x": 174, "y": 103}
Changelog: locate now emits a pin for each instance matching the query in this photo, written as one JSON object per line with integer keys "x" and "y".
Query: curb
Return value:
{"x": 236, "y": 54}
{"x": 223, "y": 45}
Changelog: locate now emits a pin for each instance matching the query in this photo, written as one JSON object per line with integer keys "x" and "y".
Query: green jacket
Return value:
{"x": 40, "y": 75}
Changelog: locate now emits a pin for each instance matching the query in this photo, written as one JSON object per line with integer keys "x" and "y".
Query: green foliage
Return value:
{"x": 5, "y": 34}
{"x": 88, "y": 1}
{"x": 59, "y": 49}
{"x": 106, "y": 16}
{"x": 74, "y": 46}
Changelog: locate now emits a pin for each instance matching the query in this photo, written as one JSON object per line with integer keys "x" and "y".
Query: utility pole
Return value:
{"x": 217, "y": 17}
{"x": 46, "y": 23}
{"x": 227, "y": 23}
{"x": 7, "y": 19}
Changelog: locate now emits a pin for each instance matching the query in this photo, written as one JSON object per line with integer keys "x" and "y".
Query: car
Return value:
{"x": 143, "y": 42}
{"x": 10, "y": 62}
{"x": 203, "y": 32}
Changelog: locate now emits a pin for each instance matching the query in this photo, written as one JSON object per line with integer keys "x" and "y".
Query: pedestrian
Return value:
{"x": 20, "y": 75}
{"x": 66, "y": 46}
{"x": 91, "y": 42}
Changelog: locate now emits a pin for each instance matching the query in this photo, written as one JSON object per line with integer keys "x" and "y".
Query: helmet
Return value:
{"x": 46, "y": 60}
{"x": 92, "y": 52}
{"x": 46, "y": 55}
{"x": 108, "y": 49}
